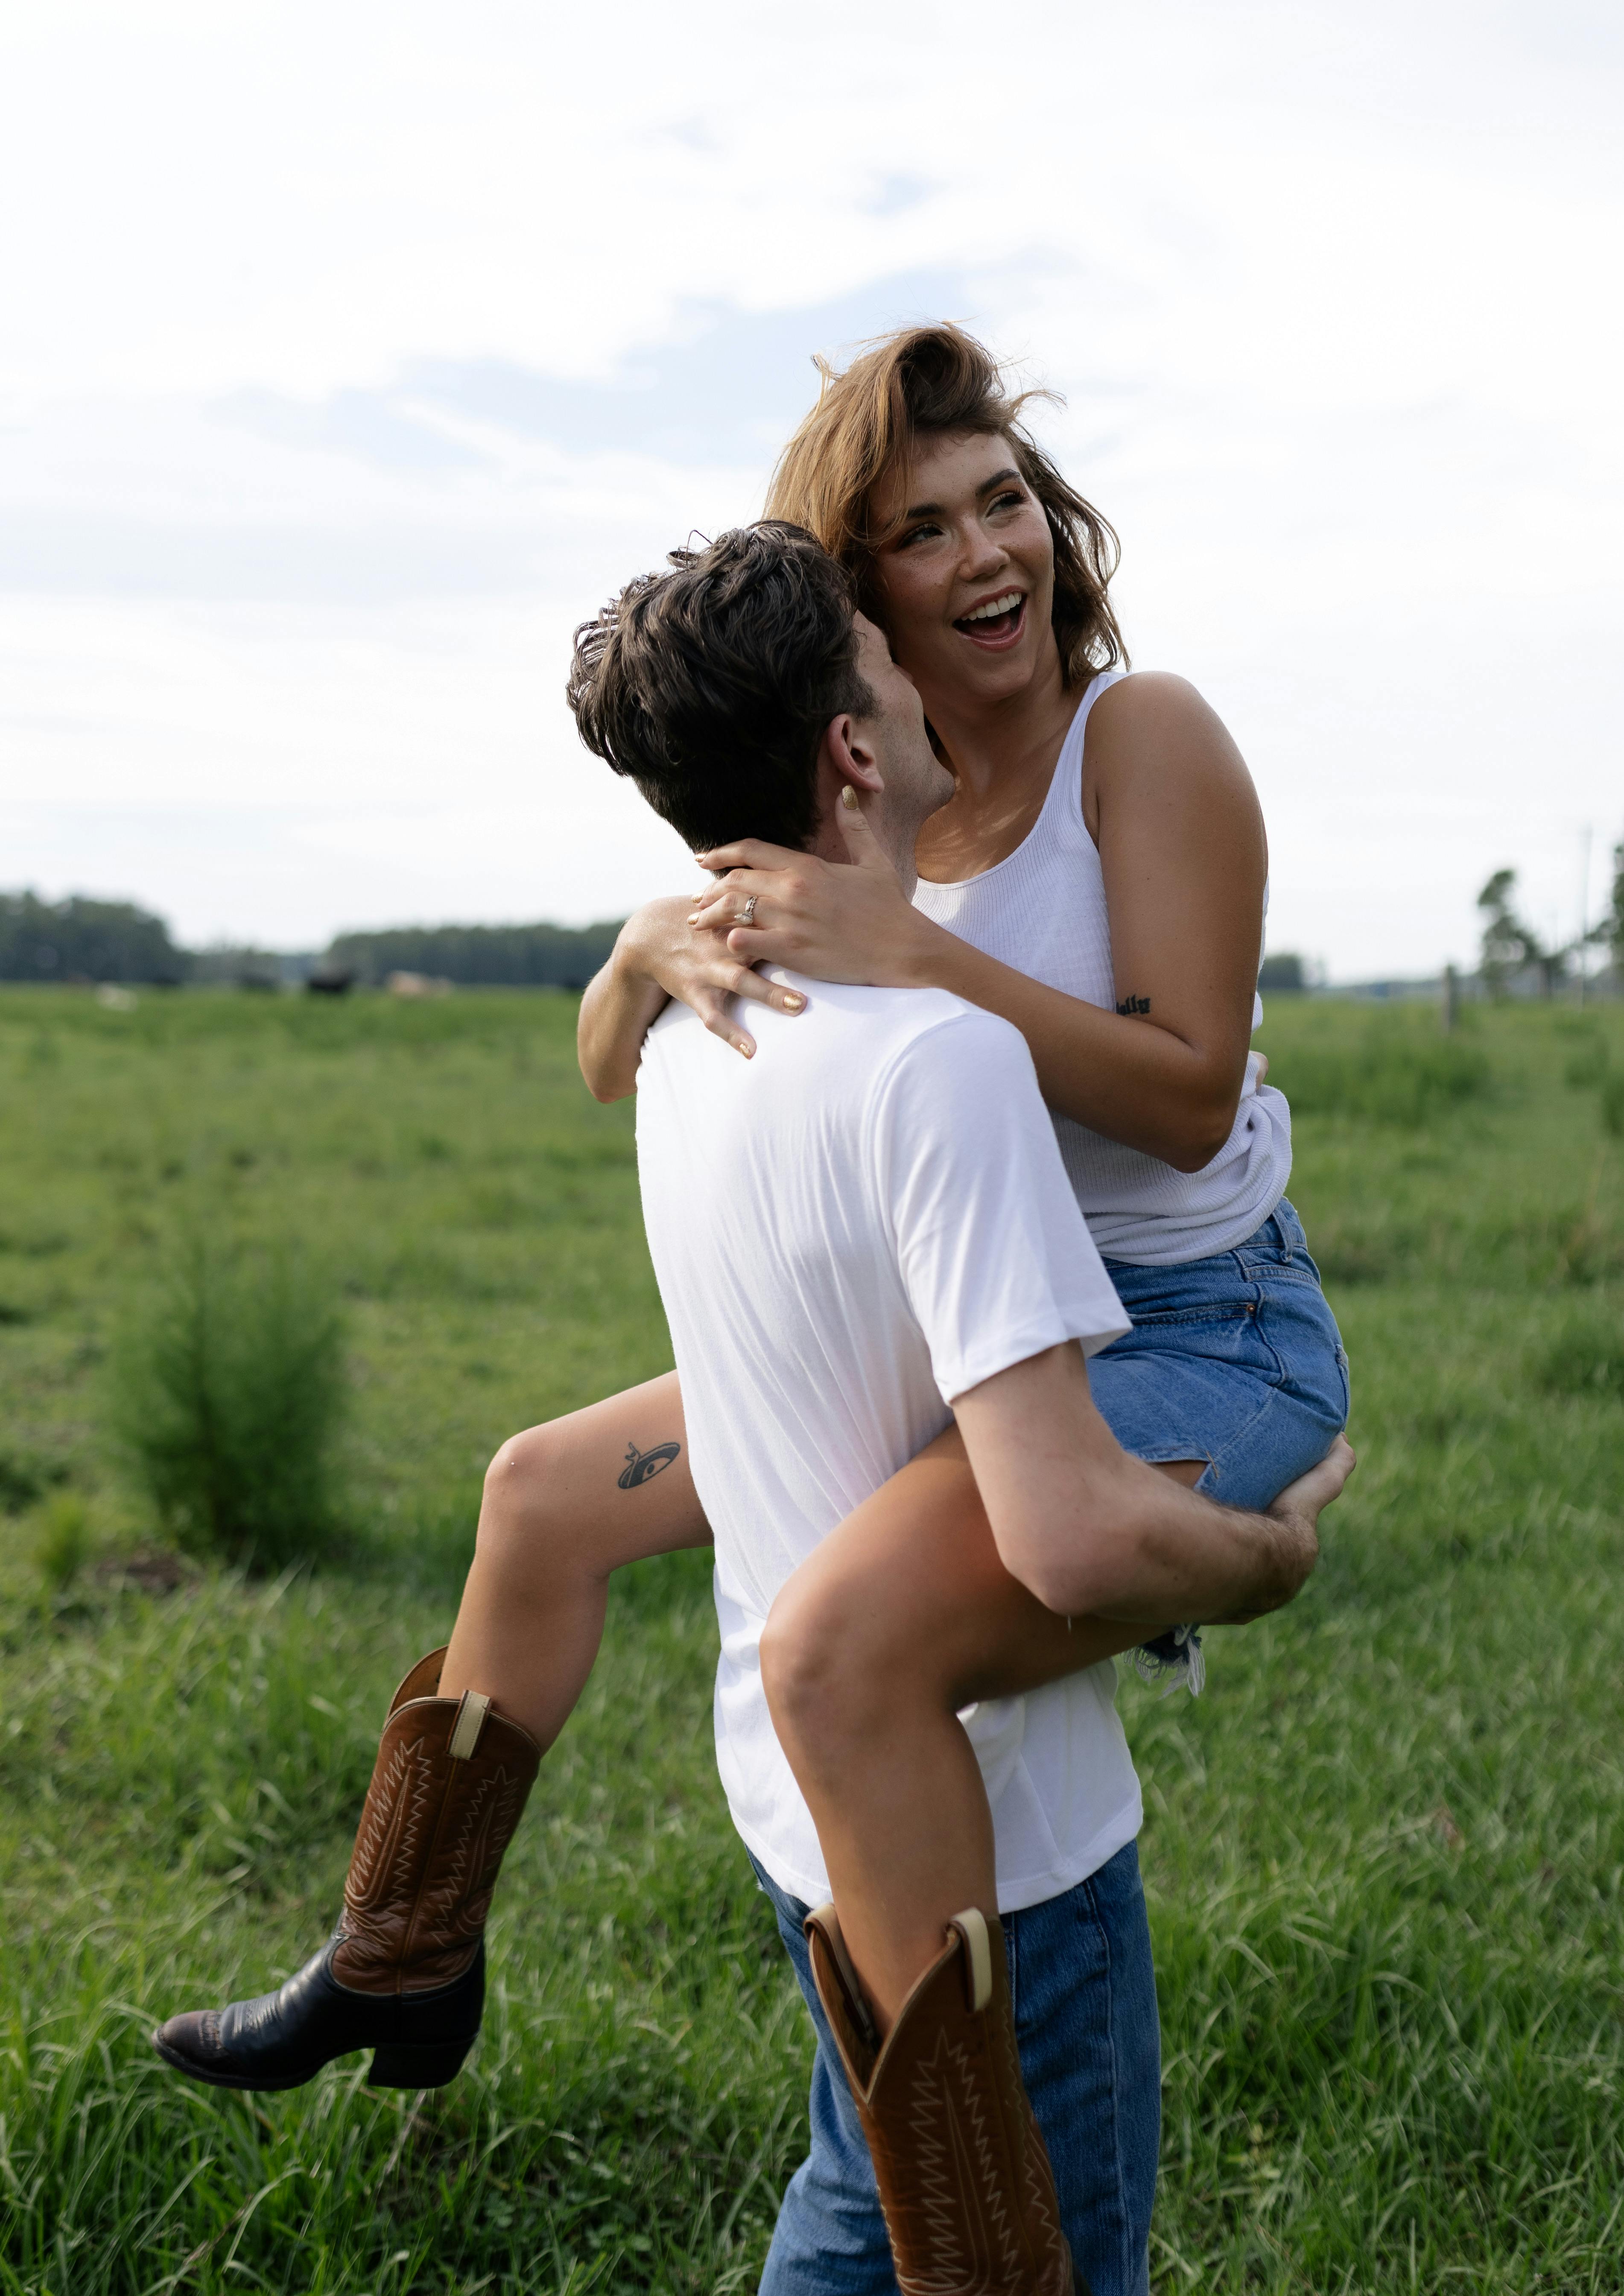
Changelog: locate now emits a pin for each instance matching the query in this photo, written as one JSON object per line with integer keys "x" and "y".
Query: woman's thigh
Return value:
{"x": 911, "y": 1597}
{"x": 611, "y": 1483}
{"x": 908, "y": 1595}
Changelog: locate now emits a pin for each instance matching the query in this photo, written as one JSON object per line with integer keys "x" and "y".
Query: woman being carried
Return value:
{"x": 1102, "y": 851}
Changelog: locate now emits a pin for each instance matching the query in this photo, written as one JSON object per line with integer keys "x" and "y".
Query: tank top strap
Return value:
{"x": 1064, "y": 802}
{"x": 1069, "y": 770}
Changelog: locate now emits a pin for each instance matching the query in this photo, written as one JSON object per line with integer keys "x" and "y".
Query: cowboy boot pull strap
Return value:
{"x": 447, "y": 1792}
{"x": 972, "y": 1926}
{"x": 470, "y": 1721}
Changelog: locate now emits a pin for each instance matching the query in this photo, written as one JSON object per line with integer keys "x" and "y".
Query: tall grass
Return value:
{"x": 1385, "y": 1854}
{"x": 1584, "y": 1355}
{"x": 1513, "y": 1184}
{"x": 635, "y": 2105}
{"x": 62, "y": 1547}
{"x": 227, "y": 1394}
{"x": 1392, "y": 1071}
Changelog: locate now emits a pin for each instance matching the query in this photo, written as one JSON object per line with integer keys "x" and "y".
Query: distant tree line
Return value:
{"x": 494, "y": 956}
{"x": 78, "y": 940}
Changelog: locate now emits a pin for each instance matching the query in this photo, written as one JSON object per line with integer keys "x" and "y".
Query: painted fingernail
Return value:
{"x": 848, "y": 798}
{"x": 791, "y": 1003}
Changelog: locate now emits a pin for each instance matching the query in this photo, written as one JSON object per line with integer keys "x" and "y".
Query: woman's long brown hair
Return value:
{"x": 923, "y": 383}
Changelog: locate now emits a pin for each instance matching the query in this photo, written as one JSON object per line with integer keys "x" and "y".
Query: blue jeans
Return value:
{"x": 1235, "y": 1359}
{"x": 1085, "y": 2001}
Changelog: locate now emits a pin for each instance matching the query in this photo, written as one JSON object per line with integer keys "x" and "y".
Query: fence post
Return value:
{"x": 1451, "y": 999}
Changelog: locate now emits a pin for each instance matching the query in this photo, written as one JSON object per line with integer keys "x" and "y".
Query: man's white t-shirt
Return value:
{"x": 849, "y": 1230}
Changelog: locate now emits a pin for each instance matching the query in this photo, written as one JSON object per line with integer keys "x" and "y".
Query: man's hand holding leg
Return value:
{"x": 1093, "y": 1532}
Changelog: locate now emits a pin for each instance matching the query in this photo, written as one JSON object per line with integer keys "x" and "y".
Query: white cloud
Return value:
{"x": 351, "y": 356}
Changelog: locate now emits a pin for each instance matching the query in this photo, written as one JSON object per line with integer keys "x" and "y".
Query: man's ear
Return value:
{"x": 850, "y": 755}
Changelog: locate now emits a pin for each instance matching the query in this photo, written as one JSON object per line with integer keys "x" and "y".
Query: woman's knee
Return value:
{"x": 835, "y": 1668}
{"x": 517, "y": 1509}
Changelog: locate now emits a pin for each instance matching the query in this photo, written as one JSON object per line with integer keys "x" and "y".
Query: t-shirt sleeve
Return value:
{"x": 994, "y": 1255}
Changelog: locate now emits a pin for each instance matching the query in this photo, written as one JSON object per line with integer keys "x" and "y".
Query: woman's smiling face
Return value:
{"x": 966, "y": 578}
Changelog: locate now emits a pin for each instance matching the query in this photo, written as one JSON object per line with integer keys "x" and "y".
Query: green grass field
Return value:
{"x": 1385, "y": 1853}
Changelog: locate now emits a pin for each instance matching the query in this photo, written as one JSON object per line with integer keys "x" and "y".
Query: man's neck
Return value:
{"x": 902, "y": 861}
{"x": 896, "y": 840}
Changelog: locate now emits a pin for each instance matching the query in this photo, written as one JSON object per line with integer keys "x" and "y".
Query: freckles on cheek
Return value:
{"x": 916, "y": 604}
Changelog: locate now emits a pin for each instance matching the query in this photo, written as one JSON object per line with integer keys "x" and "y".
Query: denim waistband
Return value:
{"x": 1282, "y": 1232}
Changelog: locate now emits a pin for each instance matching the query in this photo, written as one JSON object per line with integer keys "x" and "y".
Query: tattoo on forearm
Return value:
{"x": 1134, "y": 1005}
{"x": 642, "y": 1466}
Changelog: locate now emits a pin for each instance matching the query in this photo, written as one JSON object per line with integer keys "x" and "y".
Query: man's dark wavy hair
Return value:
{"x": 710, "y": 686}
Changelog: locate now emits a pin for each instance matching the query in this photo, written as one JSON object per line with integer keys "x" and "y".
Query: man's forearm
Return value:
{"x": 1092, "y": 1531}
{"x": 1178, "y": 1556}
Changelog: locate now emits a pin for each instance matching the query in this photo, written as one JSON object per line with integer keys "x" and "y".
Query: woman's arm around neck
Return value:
{"x": 1174, "y": 817}
{"x": 659, "y": 956}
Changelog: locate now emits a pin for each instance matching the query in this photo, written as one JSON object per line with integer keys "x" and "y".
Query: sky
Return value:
{"x": 351, "y": 356}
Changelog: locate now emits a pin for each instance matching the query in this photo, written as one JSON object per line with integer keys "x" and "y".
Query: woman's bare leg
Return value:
{"x": 403, "y": 1974}
{"x": 903, "y": 1616}
{"x": 565, "y": 1504}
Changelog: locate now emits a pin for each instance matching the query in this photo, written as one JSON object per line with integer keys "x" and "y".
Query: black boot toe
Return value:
{"x": 190, "y": 2043}
{"x": 282, "y": 2040}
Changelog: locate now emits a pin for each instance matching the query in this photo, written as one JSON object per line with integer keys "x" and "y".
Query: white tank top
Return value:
{"x": 1042, "y": 911}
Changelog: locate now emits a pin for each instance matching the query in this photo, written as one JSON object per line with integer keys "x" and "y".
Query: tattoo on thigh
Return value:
{"x": 641, "y": 1466}
{"x": 1134, "y": 1005}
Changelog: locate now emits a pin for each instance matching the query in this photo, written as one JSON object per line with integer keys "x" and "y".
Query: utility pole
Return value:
{"x": 1584, "y": 908}
{"x": 1451, "y": 999}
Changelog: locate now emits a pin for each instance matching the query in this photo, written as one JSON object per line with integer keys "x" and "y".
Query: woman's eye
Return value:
{"x": 916, "y": 534}
{"x": 1011, "y": 501}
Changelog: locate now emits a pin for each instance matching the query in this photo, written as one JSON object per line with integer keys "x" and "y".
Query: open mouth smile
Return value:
{"x": 996, "y": 622}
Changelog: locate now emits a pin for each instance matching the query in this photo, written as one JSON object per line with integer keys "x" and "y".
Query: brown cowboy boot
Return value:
{"x": 404, "y": 1972}
{"x": 963, "y": 2169}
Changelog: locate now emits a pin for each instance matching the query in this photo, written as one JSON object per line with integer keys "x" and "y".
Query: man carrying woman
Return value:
{"x": 1087, "y": 858}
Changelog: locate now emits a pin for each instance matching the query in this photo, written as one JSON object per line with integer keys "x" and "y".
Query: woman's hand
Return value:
{"x": 699, "y": 970}
{"x": 659, "y": 956}
{"x": 834, "y": 922}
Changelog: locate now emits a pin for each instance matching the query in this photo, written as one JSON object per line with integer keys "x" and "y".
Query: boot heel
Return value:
{"x": 417, "y": 2064}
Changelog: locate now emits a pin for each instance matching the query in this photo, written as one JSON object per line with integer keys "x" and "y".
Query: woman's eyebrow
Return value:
{"x": 934, "y": 510}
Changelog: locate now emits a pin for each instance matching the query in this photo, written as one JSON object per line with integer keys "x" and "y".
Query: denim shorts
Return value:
{"x": 1235, "y": 1359}
{"x": 1085, "y": 2001}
